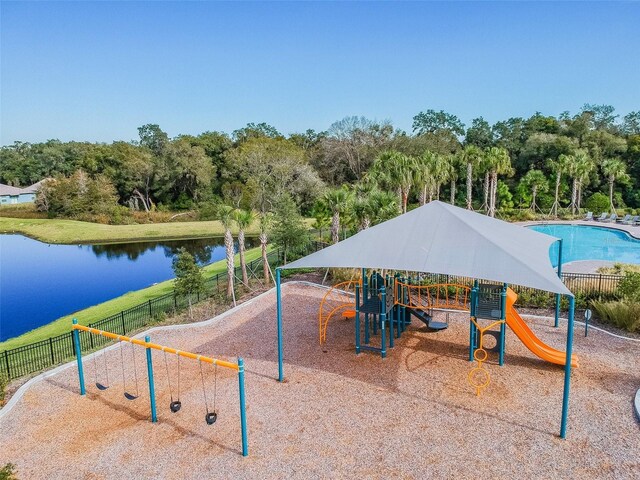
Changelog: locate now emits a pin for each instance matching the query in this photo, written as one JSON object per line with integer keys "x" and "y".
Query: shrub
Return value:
{"x": 624, "y": 315}
{"x": 8, "y": 472}
{"x": 598, "y": 202}
{"x": 629, "y": 287}
{"x": 4, "y": 381}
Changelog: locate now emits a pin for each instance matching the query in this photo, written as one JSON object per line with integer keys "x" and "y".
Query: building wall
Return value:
{"x": 13, "y": 199}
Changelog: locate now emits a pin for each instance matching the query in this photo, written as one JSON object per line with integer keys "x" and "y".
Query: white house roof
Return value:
{"x": 9, "y": 190}
{"x": 442, "y": 238}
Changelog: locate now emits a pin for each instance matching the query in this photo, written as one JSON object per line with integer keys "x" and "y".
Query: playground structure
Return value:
{"x": 175, "y": 404}
{"x": 388, "y": 302}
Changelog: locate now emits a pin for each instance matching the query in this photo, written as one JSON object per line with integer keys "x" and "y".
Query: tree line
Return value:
{"x": 370, "y": 168}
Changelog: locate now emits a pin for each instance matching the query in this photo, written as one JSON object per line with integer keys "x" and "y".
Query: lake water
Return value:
{"x": 41, "y": 282}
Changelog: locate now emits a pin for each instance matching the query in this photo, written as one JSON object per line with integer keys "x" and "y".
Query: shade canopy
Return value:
{"x": 442, "y": 238}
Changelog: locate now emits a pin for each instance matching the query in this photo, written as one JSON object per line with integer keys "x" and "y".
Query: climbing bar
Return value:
{"x": 155, "y": 346}
{"x": 340, "y": 298}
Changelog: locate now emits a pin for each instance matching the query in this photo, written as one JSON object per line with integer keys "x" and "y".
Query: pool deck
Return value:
{"x": 634, "y": 231}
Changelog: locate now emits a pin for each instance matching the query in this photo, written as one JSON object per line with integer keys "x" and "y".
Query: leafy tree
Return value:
{"x": 479, "y": 134}
{"x": 535, "y": 181}
{"x": 152, "y": 137}
{"x": 264, "y": 229}
{"x": 603, "y": 116}
{"x": 598, "y": 202}
{"x": 398, "y": 172}
{"x": 272, "y": 167}
{"x": 472, "y": 156}
{"x": 579, "y": 169}
{"x": 631, "y": 123}
{"x": 432, "y": 121}
{"x": 288, "y": 229}
{"x": 614, "y": 169}
{"x": 252, "y": 130}
{"x": 189, "y": 279}
{"x": 244, "y": 219}
{"x": 321, "y": 216}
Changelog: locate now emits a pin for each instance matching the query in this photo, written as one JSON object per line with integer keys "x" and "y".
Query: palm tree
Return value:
{"x": 536, "y": 181}
{"x": 499, "y": 163}
{"x": 381, "y": 206}
{"x": 559, "y": 167}
{"x": 337, "y": 201}
{"x": 472, "y": 157}
{"x": 614, "y": 169}
{"x": 453, "y": 162}
{"x": 578, "y": 169}
{"x": 225, "y": 216}
{"x": 432, "y": 171}
{"x": 243, "y": 218}
{"x": 264, "y": 227}
{"x": 397, "y": 171}
{"x": 584, "y": 167}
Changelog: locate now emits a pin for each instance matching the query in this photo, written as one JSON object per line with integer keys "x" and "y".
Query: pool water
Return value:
{"x": 582, "y": 242}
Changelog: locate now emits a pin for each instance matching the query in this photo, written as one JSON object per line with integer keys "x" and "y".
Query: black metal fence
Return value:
{"x": 37, "y": 356}
{"x": 53, "y": 351}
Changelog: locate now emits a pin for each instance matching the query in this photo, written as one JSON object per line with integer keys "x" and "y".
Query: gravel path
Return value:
{"x": 411, "y": 415}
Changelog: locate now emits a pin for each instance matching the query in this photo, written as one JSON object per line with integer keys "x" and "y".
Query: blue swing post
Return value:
{"x": 78, "y": 349}
{"x": 243, "y": 410}
{"x": 365, "y": 290}
{"x": 503, "y": 327}
{"x": 558, "y": 296}
{"x": 152, "y": 388}
{"x": 279, "y": 321}
{"x": 567, "y": 369}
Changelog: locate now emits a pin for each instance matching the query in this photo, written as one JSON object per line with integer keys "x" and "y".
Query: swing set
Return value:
{"x": 175, "y": 404}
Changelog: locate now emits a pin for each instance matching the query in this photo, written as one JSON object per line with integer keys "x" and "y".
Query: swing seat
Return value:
{"x": 129, "y": 396}
{"x": 211, "y": 418}
{"x": 349, "y": 314}
{"x": 175, "y": 406}
{"x": 101, "y": 386}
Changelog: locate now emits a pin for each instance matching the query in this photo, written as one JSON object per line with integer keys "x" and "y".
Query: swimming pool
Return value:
{"x": 582, "y": 242}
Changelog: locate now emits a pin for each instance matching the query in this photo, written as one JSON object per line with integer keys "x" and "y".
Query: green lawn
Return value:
{"x": 72, "y": 231}
{"x": 113, "y": 306}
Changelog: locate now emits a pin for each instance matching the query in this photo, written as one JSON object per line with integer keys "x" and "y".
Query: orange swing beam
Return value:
{"x": 155, "y": 346}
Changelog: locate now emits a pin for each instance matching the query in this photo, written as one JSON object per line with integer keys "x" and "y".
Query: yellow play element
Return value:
{"x": 479, "y": 377}
{"x": 340, "y": 298}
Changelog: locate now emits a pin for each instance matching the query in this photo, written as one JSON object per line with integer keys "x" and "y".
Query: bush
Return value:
{"x": 598, "y": 202}
{"x": 8, "y": 472}
{"x": 622, "y": 314}
{"x": 4, "y": 381}
{"x": 629, "y": 287}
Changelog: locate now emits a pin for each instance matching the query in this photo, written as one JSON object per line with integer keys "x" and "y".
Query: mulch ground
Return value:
{"x": 338, "y": 415}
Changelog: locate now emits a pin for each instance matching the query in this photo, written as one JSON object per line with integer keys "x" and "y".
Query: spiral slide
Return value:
{"x": 530, "y": 340}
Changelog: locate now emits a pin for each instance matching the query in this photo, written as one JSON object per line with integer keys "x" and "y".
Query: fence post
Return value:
{"x": 53, "y": 359}
{"x": 124, "y": 329}
{"x": 150, "y": 314}
{"x": 600, "y": 285}
{"x": 6, "y": 361}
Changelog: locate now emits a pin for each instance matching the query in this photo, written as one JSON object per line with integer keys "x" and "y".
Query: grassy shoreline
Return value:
{"x": 113, "y": 306}
{"x": 76, "y": 232}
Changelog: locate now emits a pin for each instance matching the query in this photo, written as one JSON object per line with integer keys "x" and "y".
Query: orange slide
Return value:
{"x": 526, "y": 335}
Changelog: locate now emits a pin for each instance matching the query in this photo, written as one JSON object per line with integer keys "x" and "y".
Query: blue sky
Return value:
{"x": 97, "y": 71}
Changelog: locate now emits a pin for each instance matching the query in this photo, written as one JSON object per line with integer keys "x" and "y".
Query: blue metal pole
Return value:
{"x": 365, "y": 289}
{"x": 152, "y": 388}
{"x": 567, "y": 369}
{"x": 472, "y": 327}
{"x": 358, "y": 319}
{"x": 76, "y": 340}
{"x": 243, "y": 411}
{"x": 383, "y": 321}
{"x": 503, "y": 327}
{"x": 279, "y": 317}
{"x": 558, "y": 296}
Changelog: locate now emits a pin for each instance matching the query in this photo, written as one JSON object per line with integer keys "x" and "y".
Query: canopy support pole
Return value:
{"x": 567, "y": 369}
{"x": 503, "y": 307}
{"x": 558, "y": 296}
{"x": 279, "y": 319}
